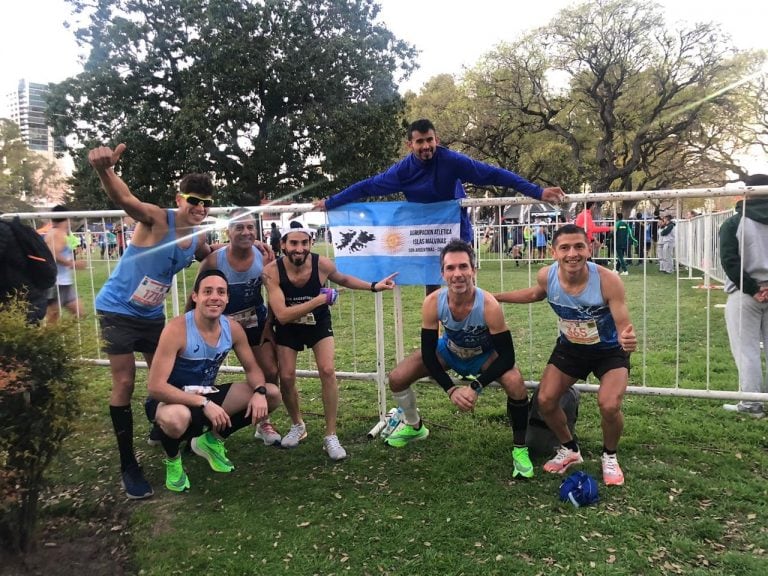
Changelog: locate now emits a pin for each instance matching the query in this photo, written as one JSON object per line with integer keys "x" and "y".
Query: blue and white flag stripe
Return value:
{"x": 374, "y": 239}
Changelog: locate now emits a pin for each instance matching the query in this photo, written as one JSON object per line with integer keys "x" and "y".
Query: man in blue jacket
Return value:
{"x": 433, "y": 173}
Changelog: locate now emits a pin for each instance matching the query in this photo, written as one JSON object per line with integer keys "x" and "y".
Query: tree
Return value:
{"x": 607, "y": 98}
{"x": 270, "y": 96}
{"x": 25, "y": 176}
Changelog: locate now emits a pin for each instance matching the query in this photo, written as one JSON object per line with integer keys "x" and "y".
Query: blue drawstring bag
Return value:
{"x": 580, "y": 489}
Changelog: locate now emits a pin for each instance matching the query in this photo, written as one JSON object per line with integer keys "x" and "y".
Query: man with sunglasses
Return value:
{"x": 130, "y": 305}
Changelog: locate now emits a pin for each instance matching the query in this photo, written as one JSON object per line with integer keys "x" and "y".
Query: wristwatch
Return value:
{"x": 476, "y": 386}
{"x": 205, "y": 403}
{"x": 260, "y": 390}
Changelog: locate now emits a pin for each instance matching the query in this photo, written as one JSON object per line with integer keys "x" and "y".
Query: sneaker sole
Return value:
{"x": 135, "y": 496}
{"x": 402, "y": 442}
{"x": 613, "y": 482}
{"x": 181, "y": 487}
{"x": 564, "y": 468}
{"x": 335, "y": 459}
{"x": 208, "y": 458}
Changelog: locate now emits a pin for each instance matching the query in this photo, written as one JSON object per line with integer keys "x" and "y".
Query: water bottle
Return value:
{"x": 394, "y": 417}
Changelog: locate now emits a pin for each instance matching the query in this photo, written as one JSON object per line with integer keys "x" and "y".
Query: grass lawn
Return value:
{"x": 695, "y": 499}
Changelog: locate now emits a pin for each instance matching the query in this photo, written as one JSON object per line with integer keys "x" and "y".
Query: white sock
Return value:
{"x": 407, "y": 401}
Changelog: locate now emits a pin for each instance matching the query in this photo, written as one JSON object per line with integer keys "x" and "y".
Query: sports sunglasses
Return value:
{"x": 196, "y": 200}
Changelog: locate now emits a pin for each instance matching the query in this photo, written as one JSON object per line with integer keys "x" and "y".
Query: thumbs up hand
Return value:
{"x": 628, "y": 339}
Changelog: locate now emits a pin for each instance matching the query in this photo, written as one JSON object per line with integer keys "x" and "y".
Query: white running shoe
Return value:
{"x": 296, "y": 434}
{"x": 267, "y": 433}
{"x": 333, "y": 448}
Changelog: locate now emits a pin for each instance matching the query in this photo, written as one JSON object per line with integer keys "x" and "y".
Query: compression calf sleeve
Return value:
{"x": 517, "y": 413}
{"x": 407, "y": 401}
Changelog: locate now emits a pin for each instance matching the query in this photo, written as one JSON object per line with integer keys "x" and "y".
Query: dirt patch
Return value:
{"x": 96, "y": 546}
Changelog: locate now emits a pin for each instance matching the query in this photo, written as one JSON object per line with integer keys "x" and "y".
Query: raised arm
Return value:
{"x": 103, "y": 160}
{"x": 329, "y": 270}
{"x": 535, "y": 293}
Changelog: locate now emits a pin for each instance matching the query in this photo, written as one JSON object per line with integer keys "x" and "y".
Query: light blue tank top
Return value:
{"x": 137, "y": 287}
{"x": 64, "y": 275}
{"x": 246, "y": 303}
{"x": 583, "y": 319}
{"x": 199, "y": 363}
{"x": 469, "y": 337}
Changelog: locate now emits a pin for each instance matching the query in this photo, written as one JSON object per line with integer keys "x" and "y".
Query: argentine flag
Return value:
{"x": 371, "y": 240}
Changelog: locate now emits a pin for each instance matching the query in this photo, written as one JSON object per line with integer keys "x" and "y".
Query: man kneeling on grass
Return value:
{"x": 183, "y": 398}
{"x": 475, "y": 342}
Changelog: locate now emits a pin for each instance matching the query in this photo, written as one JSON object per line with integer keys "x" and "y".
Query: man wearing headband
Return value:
{"x": 130, "y": 305}
{"x": 242, "y": 264}
{"x": 300, "y": 305}
{"x": 184, "y": 398}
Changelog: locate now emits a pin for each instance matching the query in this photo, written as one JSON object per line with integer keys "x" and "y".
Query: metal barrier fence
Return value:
{"x": 696, "y": 249}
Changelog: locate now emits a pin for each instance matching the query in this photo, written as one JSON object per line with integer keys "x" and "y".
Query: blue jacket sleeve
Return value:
{"x": 380, "y": 185}
{"x": 481, "y": 174}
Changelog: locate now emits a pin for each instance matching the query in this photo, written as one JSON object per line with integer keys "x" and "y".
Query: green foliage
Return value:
{"x": 608, "y": 96}
{"x": 24, "y": 173}
{"x": 39, "y": 403}
{"x": 268, "y": 96}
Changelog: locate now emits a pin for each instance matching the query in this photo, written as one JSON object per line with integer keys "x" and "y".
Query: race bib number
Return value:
{"x": 246, "y": 318}
{"x": 196, "y": 389}
{"x": 308, "y": 319}
{"x": 579, "y": 331}
{"x": 150, "y": 293}
{"x": 464, "y": 353}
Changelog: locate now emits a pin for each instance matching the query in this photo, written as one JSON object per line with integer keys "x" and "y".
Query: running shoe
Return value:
{"x": 296, "y": 434}
{"x": 267, "y": 433}
{"x": 564, "y": 458}
{"x": 135, "y": 485}
{"x": 754, "y": 409}
{"x": 406, "y": 434}
{"x": 612, "y": 474}
{"x": 212, "y": 449}
{"x": 176, "y": 478}
{"x": 522, "y": 462}
{"x": 334, "y": 449}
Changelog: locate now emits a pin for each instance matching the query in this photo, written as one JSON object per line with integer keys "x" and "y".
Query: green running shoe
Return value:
{"x": 406, "y": 434}
{"x": 212, "y": 449}
{"x": 522, "y": 462}
{"x": 176, "y": 478}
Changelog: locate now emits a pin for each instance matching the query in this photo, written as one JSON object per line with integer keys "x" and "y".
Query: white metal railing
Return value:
{"x": 697, "y": 248}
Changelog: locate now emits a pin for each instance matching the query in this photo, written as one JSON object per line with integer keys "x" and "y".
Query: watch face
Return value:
{"x": 476, "y": 386}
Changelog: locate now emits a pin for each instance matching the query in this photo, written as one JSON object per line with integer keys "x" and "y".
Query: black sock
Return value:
{"x": 122, "y": 422}
{"x": 517, "y": 414}
{"x": 608, "y": 452}
{"x": 238, "y": 421}
{"x": 170, "y": 445}
{"x": 571, "y": 445}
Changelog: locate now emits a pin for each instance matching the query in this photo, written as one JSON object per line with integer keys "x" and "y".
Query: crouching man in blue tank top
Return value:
{"x": 476, "y": 343}
{"x": 596, "y": 336}
{"x": 184, "y": 399}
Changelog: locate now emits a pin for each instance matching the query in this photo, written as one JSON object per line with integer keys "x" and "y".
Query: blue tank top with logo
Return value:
{"x": 198, "y": 365}
{"x": 469, "y": 337}
{"x": 584, "y": 319}
{"x": 137, "y": 287}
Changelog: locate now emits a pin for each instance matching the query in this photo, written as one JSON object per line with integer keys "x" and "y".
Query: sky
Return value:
{"x": 34, "y": 43}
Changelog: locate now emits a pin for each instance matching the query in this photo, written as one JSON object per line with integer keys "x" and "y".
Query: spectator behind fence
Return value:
{"x": 667, "y": 245}
{"x": 744, "y": 256}
{"x": 64, "y": 294}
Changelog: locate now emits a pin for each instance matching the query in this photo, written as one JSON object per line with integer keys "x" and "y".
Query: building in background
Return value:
{"x": 26, "y": 106}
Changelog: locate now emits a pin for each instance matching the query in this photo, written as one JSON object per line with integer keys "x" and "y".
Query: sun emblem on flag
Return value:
{"x": 394, "y": 241}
